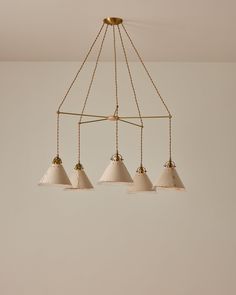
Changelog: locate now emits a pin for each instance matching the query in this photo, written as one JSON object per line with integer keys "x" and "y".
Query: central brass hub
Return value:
{"x": 113, "y": 21}
{"x": 113, "y": 118}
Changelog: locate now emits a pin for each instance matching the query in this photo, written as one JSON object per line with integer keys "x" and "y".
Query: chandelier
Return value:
{"x": 116, "y": 172}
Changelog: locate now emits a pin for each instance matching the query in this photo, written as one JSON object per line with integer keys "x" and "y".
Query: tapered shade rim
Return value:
{"x": 113, "y": 182}
{"x": 54, "y": 184}
{"x": 70, "y": 189}
{"x": 173, "y": 188}
{"x": 141, "y": 191}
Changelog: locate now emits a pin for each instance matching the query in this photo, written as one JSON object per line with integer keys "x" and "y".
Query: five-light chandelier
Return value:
{"x": 116, "y": 172}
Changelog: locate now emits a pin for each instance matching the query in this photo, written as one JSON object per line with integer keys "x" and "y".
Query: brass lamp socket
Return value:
{"x": 116, "y": 157}
{"x": 57, "y": 160}
{"x": 79, "y": 166}
{"x": 170, "y": 164}
{"x": 141, "y": 169}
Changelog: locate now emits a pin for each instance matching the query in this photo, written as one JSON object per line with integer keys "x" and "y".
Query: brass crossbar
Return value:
{"x": 120, "y": 117}
{"x": 131, "y": 123}
{"x": 92, "y": 121}
{"x": 84, "y": 115}
{"x": 146, "y": 117}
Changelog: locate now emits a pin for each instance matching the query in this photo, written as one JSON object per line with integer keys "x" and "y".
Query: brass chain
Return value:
{"x": 155, "y": 87}
{"x": 116, "y": 91}
{"x": 135, "y": 96}
{"x": 170, "y": 140}
{"x": 78, "y": 142}
{"x": 58, "y": 122}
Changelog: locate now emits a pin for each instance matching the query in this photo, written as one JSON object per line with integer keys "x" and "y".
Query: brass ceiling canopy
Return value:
{"x": 116, "y": 172}
{"x": 113, "y": 21}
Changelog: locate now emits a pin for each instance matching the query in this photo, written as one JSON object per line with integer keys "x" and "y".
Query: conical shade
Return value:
{"x": 79, "y": 179}
{"x": 116, "y": 172}
{"x": 56, "y": 175}
{"x": 141, "y": 182}
{"x": 169, "y": 179}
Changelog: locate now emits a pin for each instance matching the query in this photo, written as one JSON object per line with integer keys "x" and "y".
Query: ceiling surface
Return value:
{"x": 163, "y": 30}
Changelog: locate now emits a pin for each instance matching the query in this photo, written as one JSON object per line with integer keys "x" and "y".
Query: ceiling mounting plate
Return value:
{"x": 113, "y": 21}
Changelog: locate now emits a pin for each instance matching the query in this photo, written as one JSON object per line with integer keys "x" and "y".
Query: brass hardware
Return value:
{"x": 113, "y": 21}
{"x": 170, "y": 164}
{"x": 79, "y": 166}
{"x": 116, "y": 157}
{"x": 141, "y": 169}
{"x": 57, "y": 160}
{"x": 113, "y": 118}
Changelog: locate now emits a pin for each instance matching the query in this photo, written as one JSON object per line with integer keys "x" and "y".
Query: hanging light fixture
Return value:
{"x": 116, "y": 172}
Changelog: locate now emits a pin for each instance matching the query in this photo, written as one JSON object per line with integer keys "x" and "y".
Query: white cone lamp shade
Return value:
{"x": 55, "y": 175}
{"x": 79, "y": 179}
{"x": 141, "y": 183}
{"x": 170, "y": 179}
{"x": 116, "y": 172}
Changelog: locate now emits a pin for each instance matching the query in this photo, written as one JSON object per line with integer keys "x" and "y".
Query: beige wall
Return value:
{"x": 107, "y": 242}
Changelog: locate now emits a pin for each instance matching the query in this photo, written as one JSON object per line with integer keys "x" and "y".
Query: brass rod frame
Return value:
{"x": 84, "y": 115}
{"x": 114, "y": 22}
{"x": 120, "y": 117}
{"x": 146, "y": 117}
{"x": 92, "y": 121}
{"x": 141, "y": 126}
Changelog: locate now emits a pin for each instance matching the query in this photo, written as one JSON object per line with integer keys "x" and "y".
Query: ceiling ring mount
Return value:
{"x": 113, "y": 21}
